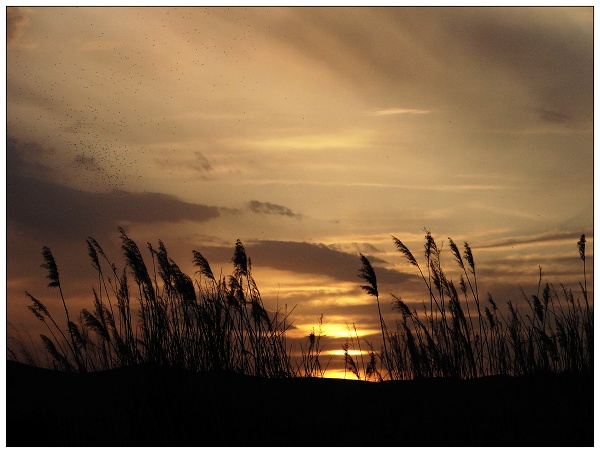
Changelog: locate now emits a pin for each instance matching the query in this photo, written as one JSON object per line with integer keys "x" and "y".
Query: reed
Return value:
{"x": 310, "y": 364}
{"x": 449, "y": 340}
{"x": 201, "y": 325}
{"x": 156, "y": 314}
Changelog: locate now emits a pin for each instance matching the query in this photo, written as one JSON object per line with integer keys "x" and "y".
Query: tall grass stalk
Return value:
{"x": 368, "y": 274}
{"x": 446, "y": 340}
{"x": 204, "y": 324}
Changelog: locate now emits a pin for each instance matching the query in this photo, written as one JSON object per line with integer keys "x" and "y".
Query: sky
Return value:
{"x": 310, "y": 134}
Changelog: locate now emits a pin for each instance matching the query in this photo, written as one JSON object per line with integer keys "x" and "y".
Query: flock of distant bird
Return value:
{"x": 98, "y": 124}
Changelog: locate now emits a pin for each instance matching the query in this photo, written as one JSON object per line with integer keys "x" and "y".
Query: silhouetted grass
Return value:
{"x": 208, "y": 324}
{"x": 158, "y": 315}
{"x": 310, "y": 365}
{"x": 554, "y": 336}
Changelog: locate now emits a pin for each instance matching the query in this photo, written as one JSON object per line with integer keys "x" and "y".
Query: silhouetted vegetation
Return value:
{"x": 221, "y": 324}
{"x": 457, "y": 335}
{"x": 164, "y": 359}
{"x": 210, "y": 324}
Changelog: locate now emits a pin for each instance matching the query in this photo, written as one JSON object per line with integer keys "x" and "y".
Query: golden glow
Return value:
{"x": 341, "y": 140}
{"x": 340, "y": 374}
{"x": 399, "y": 111}
{"x": 345, "y": 331}
{"x": 341, "y": 352}
{"x": 334, "y": 330}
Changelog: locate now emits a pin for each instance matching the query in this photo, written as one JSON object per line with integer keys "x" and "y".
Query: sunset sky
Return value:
{"x": 312, "y": 135}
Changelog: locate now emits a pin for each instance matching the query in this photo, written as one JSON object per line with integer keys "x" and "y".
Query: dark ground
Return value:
{"x": 147, "y": 406}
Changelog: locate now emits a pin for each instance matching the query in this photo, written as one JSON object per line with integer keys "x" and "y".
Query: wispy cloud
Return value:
{"x": 398, "y": 111}
{"x": 552, "y": 116}
{"x": 378, "y": 185}
{"x": 198, "y": 163}
{"x": 305, "y": 258}
{"x": 535, "y": 239}
{"x": 522, "y": 214}
{"x": 15, "y": 22}
{"x": 466, "y": 187}
{"x": 38, "y": 203}
{"x": 265, "y": 207}
{"x": 344, "y": 139}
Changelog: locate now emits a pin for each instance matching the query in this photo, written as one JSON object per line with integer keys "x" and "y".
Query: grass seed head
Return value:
{"x": 50, "y": 265}
{"x": 93, "y": 255}
{"x": 490, "y": 317}
{"x": 405, "y": 251}
{"x": 468, "y": 255}
{"x": 581, "y": 247}
{"x": 240, "y": 260}
{"x": 456, "y": 253}
{"x": 537, "y": 307}
{"x": 368, "y": 274}
{"x": 203, "y": 265}
{"x": 430, "y": 246}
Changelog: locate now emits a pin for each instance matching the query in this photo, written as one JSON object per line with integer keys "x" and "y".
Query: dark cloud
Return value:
{"x": 37, "y": 203}
{"x": 549, "y": 236}
{"x": 550, "y": 55}
{"x": 466, "y": 56}
{"x": 199, "y": 163}
{"x": 551, "y": 116}
{"x": 307, "y": 258}
{"x": 15, "y": 22}
{"x": 261, "y": 207}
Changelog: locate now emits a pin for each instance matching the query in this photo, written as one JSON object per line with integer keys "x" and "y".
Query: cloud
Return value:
{"x": 542, "y": 238}
{"x": 307, "y": 258}
{"x": 465, "y": 57}
{"x": 550, "y": 55}
{"x": 199, "y": 163}
{"x": 37, "y": 203}
{"x": 261, "y": 207}
{"x": 362, "y": 247}
{"x": 15, "y": 22}
{"x": 342, "y": 139}
{"x": 399, "y": 111}
{"x": 310, "y": 258}
{"x": 551, "y": 116}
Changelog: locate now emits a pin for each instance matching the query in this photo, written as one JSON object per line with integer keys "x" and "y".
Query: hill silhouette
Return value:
{"x": 166, "y": 406}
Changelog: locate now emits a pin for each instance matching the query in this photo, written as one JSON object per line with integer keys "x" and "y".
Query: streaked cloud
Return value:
{"x": 504, "y": 211}
{"x": 344, "y": 139}
{"x": 545, "y": 238}
{"x": 16, "y": 20}
{"x": 552, "y": 116}
{"x": 37, "y": 203}
{"x": 398, "y": 111}
{"x": 307, "y": 258}
{"x": 466, "y": 187}
{"x": 264, "y": 207}
{"x": 198, "y": 163}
